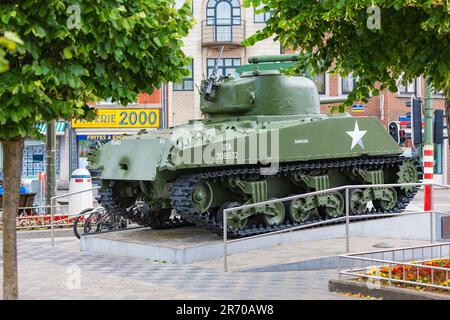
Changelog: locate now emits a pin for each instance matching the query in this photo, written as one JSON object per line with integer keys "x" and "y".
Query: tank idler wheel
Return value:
{"x": 299, "y": 210}
{"x": 234, "y": 221}
{"x": 357, "y": 204}
{"x": 334, "y": 207}
{"x": 408, "y": 173}
{"x": 202, "y": 196}
{"x": 388, "y": 200}
{"x": 274, "y": 214}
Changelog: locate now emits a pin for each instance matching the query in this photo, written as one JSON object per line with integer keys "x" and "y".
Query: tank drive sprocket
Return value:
{"x": 139, "y": 211}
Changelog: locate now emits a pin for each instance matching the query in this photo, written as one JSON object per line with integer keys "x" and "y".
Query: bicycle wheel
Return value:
{"x": 76, "y": 223}
{"x": 97, "y": 221}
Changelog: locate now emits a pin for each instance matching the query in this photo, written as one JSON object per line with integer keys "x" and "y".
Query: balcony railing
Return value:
{"x": 219, "y": 32}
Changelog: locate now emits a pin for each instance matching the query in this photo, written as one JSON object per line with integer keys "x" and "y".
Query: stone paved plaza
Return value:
{"x": 64, "y": 272}
{"x": 46, "y": 273}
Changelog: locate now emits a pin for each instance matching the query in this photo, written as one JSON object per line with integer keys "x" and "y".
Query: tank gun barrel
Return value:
{"x": 274, "y": 58}
{"x": 210, "y": 84}
{"x": 330, "y": 100}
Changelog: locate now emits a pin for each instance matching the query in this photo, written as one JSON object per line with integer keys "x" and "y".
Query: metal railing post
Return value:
{"x": 52, "y": 230}
{"x": 225, "y": 253}
{"x": 432, "y": 213}
{"x": 347, "y": 219}
{"x": 52, "y": 205}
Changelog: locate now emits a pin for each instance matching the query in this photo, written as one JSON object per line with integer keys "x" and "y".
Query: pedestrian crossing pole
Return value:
{"x": 428, "y": 147}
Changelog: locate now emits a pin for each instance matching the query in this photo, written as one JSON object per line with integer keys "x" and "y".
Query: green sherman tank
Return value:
{"x": 263, "y": 137}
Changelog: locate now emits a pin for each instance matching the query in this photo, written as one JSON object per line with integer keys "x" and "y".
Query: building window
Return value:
{"x": 226, "y": 66}
{"x": 261, "y": 17}
{"x": 409, "y": 89}
{"x": 186, "y": 84}
{"x": 348, "y": 84}
{"x": 223, "y": 14}
{"x": 320, "y": 82}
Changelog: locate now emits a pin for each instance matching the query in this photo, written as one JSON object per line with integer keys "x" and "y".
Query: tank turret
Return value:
{"x": 262, "y": 92}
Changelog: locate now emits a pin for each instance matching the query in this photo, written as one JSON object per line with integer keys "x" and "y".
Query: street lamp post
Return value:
{"x": 51, "y": 161}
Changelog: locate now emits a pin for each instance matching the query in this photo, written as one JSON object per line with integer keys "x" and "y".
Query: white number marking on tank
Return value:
{"x": 301, "y": 141}
{"x": 230, "y": 155}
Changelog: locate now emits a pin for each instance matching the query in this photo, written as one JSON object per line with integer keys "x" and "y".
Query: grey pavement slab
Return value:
{"x": 54, "y": 273}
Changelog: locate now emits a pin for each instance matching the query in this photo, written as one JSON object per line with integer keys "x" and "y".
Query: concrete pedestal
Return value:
{"x": 191, "y": 244}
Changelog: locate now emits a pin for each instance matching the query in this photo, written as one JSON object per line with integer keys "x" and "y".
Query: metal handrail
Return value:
{"x": 52, "y": 200}
{"x": 395, "y": 249}
{"x": 347, "y": 217}
{"x": 69, "y": 217}
{"x": 409, "y": 264}
{"x": 361, "y": 272}
{"x": 390, "y": 280}
{"x": 358, "y": 186}
{"x": 37, "y": 216}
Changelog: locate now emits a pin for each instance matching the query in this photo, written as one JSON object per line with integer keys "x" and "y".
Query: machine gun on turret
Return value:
{"x": 210, "y": 84}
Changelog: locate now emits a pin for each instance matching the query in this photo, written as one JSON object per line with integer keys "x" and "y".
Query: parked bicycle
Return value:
{"x": 97, "y": 220}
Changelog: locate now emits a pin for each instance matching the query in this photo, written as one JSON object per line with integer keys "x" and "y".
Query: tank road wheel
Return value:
{"x": 334, "y": 206}
{"x": 234, "y": 221}
{"x": 357, "y": 204}
{"x": 299, "y": 210}
{"x": 202, "y": 196}
{"x": 388, "y": 200}
{"x": 274, "y": 214}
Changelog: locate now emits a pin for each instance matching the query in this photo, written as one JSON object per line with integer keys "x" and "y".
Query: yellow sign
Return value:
{"x": 121, "y": 118}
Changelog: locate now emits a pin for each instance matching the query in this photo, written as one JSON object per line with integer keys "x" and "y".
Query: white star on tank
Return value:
{"x": 357, "y": 136}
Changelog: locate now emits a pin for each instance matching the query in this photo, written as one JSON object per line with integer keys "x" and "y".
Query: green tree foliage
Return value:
{"x": 74, "y": 52}
{"x": 8, "y": 42}
{"x": 334, "y": 35}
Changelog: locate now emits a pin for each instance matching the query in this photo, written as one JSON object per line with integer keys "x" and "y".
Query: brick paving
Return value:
{"x": 51, "y": 273}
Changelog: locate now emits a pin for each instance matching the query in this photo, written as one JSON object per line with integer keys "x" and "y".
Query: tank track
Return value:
{"x": 184, "y": 186}
{"x": 136, "y": 215}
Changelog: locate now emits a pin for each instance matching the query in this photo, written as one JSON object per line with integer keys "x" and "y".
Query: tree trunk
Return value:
{"x": 12, "y": 169}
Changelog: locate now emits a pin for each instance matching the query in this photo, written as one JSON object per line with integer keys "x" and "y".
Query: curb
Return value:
{"x": 387, "y": 293}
